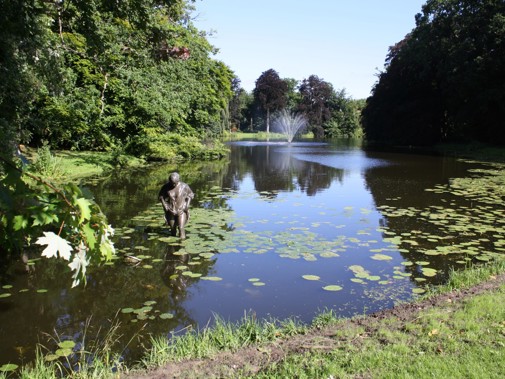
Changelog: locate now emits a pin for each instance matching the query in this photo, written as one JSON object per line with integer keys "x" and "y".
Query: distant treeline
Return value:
{"x": 445, "y": 81}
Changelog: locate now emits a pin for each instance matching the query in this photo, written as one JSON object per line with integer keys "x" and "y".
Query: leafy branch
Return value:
{"x": 38, "y": 209}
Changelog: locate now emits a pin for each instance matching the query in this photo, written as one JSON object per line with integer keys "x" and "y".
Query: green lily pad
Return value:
{"x": 332, "y": 288}
{"x": 311, "y": 277}
{"x": 127, "y": 310}
{"x": 212, "y": 278}
{"x": 68, "y": 344}
{"x": 258, "y": 284}
{"x": 8, "y": 367}
{"x": 51, "y": 357}
{"x": 357, "y": 280}
{"x": 381, "y": 257}
{"x": 166, "y": 316}
{"x": 428, "y": 271}
{"x": 3, "y": 295}
{"x": 206, "y": 255}
{"x": 63, "y": 352}
{"x": 42, "y": 290}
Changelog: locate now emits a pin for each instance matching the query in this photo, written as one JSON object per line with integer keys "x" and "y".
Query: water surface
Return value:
{"x": 279, "y": 230}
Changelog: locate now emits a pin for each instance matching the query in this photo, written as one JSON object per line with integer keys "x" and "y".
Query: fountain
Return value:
{"x": 289, "y": 124}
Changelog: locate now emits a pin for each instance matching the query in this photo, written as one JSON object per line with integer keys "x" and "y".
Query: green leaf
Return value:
{"x": 19, "y": 222}
{"x": 84, "y": 207}
{"x": 89, "y": 233}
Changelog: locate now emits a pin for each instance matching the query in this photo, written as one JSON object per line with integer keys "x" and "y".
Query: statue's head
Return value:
{"x": 174, "y": 178}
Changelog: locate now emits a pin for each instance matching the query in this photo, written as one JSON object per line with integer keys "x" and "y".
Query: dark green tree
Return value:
{"x": 445, "y": 81}
{"x": 316, "y": 97}
{"x": 270, "y": 94}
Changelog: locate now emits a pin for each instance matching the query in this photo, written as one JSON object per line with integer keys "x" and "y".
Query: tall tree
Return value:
{"x": 316, "y": 97}
{"x": 445, "y": 81}
{"x": 270, "y": 94}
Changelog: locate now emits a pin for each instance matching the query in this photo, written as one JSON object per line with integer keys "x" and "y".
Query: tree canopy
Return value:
{"x": 95, "y": 74}
{"x": 445, "y": 81}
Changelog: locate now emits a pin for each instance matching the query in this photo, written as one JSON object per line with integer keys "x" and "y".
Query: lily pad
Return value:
{"x": 166, "y": 316}
{"x": 428, "y": 271}
{"x": 68, "y": 344}
{"x": 332, "y": 287}
{"x": 127, "y": 310}
{"x": 8, "y": 367}
{"x": 212, "y": 278}
{"x": 311, "y": 277}
{"x": 381, "y": 257}
{"x": 64, "y": 352}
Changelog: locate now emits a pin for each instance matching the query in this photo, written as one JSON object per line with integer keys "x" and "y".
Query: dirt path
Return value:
{"x": 253, "y": 359}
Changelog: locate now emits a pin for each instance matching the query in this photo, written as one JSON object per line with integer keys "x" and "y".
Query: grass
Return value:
{"x": 71, "y": 166}
{"x": 456, "y": 341}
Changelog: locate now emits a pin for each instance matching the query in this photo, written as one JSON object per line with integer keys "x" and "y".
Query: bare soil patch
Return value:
{"x": 251, "y": 360}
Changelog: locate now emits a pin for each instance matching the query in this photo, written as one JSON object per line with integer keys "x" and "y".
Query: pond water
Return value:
{"x": 277, "y": 230}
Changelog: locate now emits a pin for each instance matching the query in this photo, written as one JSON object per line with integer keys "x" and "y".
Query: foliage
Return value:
{"x": 270, "y": 94}
{"x": 239, "y": 105}
{"x": 315, "y": 104}
{"x": 171, "y": 146}
{"x": 46, "y": 164}
{"x": 329, "y": 113}
{"x": 87, "y": 75}
{"x": 64, "y": 218}
{"x": 444, "y": 81}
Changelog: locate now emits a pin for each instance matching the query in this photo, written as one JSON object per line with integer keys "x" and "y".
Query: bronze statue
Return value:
{"x": 175, "y": 197}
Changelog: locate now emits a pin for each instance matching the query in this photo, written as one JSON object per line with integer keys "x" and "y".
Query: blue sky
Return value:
{"x": 343, "y": 42}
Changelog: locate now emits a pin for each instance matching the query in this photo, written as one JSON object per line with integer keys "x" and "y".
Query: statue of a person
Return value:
{"x": 175, "y": 197}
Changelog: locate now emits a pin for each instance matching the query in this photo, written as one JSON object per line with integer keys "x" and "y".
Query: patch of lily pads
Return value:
{"x": 467, "y": 225}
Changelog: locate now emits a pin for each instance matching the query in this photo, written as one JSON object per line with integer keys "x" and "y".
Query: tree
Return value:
{"x": 345, "y": 116}
{"x": 270, "y": 93}
{"x": 238, "y": 105}
{"x": 445, "y": 81}
{"x": 316, "y": 96}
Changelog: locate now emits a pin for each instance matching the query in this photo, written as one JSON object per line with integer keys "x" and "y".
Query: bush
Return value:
{"x": 169, "y": 147}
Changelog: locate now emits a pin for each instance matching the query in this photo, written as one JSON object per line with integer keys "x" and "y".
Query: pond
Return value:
{"x": 277, "y": 230}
